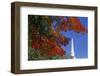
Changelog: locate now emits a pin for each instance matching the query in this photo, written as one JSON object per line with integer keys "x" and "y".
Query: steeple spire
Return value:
{"x": 72, "y": 50}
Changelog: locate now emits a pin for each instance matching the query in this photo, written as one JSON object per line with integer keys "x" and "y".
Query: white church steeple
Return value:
{"x": 72, "y": 54}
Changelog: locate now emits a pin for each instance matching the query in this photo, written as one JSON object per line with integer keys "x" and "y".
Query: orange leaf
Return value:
{"x": 76, "y": 25}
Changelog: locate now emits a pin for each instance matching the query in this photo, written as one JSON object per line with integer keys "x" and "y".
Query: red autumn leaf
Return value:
{"x": 72, "y": 23}
{"x": 35, "y": 45}
{"x": 64, "y": 26}
{"x": 76, "y": 25}
{"x": 56, "y": 51}
{"x": 51, "y": 43}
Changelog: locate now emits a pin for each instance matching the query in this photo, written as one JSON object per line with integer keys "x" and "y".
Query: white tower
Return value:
{"x": 72, "y": 50}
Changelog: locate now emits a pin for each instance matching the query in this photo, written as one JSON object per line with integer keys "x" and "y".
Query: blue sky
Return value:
{"x": 80, "y": 40}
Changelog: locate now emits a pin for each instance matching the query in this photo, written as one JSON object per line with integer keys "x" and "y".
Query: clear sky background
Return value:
{"x": 80, "y": 40}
